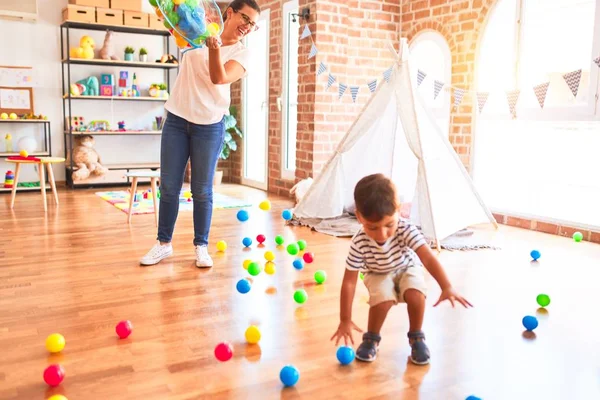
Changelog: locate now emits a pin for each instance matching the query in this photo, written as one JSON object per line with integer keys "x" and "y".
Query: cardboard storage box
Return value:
{"x": 155, "y": 23}
{"x": 79, "y": 13}
{"x": 91, "y": 3}
{"x": 129, "y": 5}
{"x": 134, "y": 18}
{"x": 108, "y": 16}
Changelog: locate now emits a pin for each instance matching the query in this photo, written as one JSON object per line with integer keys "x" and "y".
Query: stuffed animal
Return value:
{"x": 91, "y": 86}
{"x": 107, "y": 52}
{"x": 85, "y": 49}
{"x": 86, "y": 159}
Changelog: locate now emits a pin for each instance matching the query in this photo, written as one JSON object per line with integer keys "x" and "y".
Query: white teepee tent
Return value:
{"x": 397, "y": 136}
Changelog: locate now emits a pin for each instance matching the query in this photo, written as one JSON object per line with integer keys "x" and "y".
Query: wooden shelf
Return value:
{"x": 117, "y": 133}
{"x": 13, "y": 154}
{"x": 120, "y": 63}
{"x": 118, "y": 98}
{"x": 114, "y": 28}
{"x": 130, "y": 166}
{"x": 25, "y": 121}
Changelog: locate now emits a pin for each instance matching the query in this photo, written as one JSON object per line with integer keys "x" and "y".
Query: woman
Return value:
{"x": 194, "y": 127}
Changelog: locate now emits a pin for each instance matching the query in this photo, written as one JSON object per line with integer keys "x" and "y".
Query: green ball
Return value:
{"x": 173, "y": 17}
{"x": 152, "y": 3}
{"x": 254, "y": 268}
{"x": 578, "y": 236}
{"x": 166, "y": 5}
{"x": 362, "y": 276}
{"x": 279, "y": 239}
{"x": 301, "y": 244}
{"x": 293, "y": 249}
{"x": 320, "y": 276}
{"x": 192, "y": 3}
{"x": 543, "y": 300}
{"x": 300, "y": 296}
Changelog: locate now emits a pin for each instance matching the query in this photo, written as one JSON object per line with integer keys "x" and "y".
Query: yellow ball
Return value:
{"x": 270, "y": 268}
{"x": 58, "y": 397}
{"x": 24, "y": 153}
{"x": 269, "y": 256}
{"x": 252, "y": 334}
{"x": 12, "y": 116}
{"x": 187, "y": 194}
{"x": 55, "y": 343}
{"x": 213, "y": 28}
{"x": 221, "y": 245}
{"x": 4, "y": 116}
{"x": 178, "y": 1}
{"x": 265, "y": 205}
{"x": 246, "y": 263}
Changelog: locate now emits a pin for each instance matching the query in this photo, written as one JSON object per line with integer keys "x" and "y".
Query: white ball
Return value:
{"x": 28, "y": 144}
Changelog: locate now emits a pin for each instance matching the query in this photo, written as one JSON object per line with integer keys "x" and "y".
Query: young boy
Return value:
{"x": 391, "y": 251}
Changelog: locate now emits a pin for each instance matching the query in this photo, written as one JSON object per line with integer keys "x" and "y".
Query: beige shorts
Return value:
{"x": 392, "y": 285}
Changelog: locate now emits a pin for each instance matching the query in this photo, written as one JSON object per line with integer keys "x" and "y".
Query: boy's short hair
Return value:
{"x": 375, "y": 197}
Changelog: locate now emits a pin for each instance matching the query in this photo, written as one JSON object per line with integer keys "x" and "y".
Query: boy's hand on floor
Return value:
{"x": 452, "y": 295}
{"x": 345, "y": 331}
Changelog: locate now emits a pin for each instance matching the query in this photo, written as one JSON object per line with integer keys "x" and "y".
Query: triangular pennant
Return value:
{"x": 512, "y": 97}
{"x": 573, "y": 79}
{"x": 322, "y": 68}
{"x": 482, "y": 99}
{"x": 420, "y": 76}
{"x": 597, "y": 61}
{"x": 372, "y": 85}
{"x": 305, "y": 33}
{"x": 330, "y": 81}
{"x": 540, "y": 92}
{"x": 313, "y": 51}
{"x": 458, "y": 96}
{"x": 341, "y": 90}
{"x": 387, "y": 73}
{"x": 354, "y": 92}
{"x": 437, "y": 87}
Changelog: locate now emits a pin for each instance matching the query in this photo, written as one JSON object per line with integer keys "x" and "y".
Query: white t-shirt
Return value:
{"x": 194, "y": 97}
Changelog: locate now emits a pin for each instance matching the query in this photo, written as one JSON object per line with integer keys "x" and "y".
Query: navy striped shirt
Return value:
{"x": 397, "y": 252}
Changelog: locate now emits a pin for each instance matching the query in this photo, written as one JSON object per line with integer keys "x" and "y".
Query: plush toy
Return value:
{"x": 168, "y": 59}
{"x": 86, "y": 159}
{"x": 85, "y": 49}
{"x": 107, "y": 52}
{"x": 91, "y": 87}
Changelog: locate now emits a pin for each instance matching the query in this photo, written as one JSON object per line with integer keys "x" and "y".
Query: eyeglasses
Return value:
{"x": 247, "y": 21}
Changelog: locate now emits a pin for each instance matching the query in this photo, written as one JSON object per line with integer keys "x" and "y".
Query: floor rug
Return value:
{"x": 120, "y": 199}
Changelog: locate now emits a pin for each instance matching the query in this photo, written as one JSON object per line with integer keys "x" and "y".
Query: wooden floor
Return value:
{"x": 76, "y": 272}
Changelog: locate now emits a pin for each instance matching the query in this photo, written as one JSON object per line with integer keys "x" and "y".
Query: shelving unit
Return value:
{"x": 116, "y": 172}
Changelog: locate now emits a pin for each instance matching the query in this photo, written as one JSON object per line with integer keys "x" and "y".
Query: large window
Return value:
{"x": 540, "y": 162}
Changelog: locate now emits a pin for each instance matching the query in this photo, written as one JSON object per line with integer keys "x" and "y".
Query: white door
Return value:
{"x": 255, "y": 107}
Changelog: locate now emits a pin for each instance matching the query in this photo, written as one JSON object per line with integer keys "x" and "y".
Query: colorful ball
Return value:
{"x": 302, "y": 244}
{"x": 286, "y": 214}
{"x": 213, "y": 28}
{"x": 187, "y": 194}
{"x": 54, "y": 375}
{"x": 55, "y": 343}
{"x": 254, "y": 269}
{"x": 300, "y": 296}
{"x": 269, "y": 255}
{"x": 362, "y": 276}
{"x": 289, "y": 375}
{"x": 247, "y": 263}
{"x": 221, "y": 245}
{"x": 535, "y": 254}
{"x": 264, "y": 205}
{"x": 578, "y": 236}
{"x": 473, "y": 398}
{"x": 292, "y": 249}
{"x": 247, "y": 242}
{"x": 252, "y": 334}
{"x": 530, "y": 322}
{"x": 24, "y": 153}
{"x": 153, "y": 3}
{"x": 242, "y": 215}
{"x": 261, "y": 239}
{"x": 270, "y": 268}
{"x": 320, "y": 276}
{"x": 543, "y": 300}
{"x": 279, "y": 240}
{"x": 308, "y": 257}
{"x": 298, "y": 263}
{"x": 224, "y": 351}
{"x": 243, "y": 286}
{"x": 57, "y": 397}
{"x": 124, "y": 329}
{"x": 345, "y": 355}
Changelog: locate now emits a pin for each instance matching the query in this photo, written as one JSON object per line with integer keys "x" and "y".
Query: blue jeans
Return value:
{"x": 202, "y": 144}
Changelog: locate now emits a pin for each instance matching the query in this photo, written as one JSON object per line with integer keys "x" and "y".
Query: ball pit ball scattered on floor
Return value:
{"x": 286, "y": 214}
{"x": 221, "y": 245}
{"x": 242, "y": 215}
{"x": 320, "y": 276}
{"x": 577, "y": 236}
{"x": 345, "y": 355}
{"x": 55, "y": 343}
{"x": 292, "y": 249}
{"x": 265, "y": 205}
{"x": 308, "y": 257}
{"x": 124, "y": 329}
{"x": 261, "y": 239}
{"x": 224, "y": 351}
{"x": 535, "y": 255}
{"x": 289, "y": 375}
{"x": 54, "y": 375}
{"x": 300, "y": 296}
{"x": 243, "y": 286}
{"x": 298, "y": 264}
{"x": 530, "y": 322}
{"x": 543, "y": 300}
{"x": 247, "y": 242}
{"x": 252, "y": 334}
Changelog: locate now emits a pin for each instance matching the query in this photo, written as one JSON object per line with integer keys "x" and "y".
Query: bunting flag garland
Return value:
{"x": 305, "y": 33}
{"x": 512, "y": 97}
{"x": 330, "y": 81}
{"x": 437, "y": 87}
{"x": 573, "y": 79}
{"x": 313, "y": 51}
{"x": 322, "y": 68}
{"x": 387, "y": 74}
{"x": 540, "y": 92}
{"x": 597, "y": 61}
{"x": 354, "y": 92}
{"x": 372, "y": 85}
{"x": 420, "y": 76}
{"x": 458, "y": 96}
{"x": 482, "y": 99}
{"x": 341, "y": 90}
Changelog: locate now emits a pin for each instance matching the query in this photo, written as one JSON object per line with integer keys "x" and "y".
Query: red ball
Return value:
{"x": 308, "y": 257}
{"x": 124, "y": 329}
{"x": 224, "y": 351}
{"x": 261, "y": 239}
{"x": 54, "y": 375}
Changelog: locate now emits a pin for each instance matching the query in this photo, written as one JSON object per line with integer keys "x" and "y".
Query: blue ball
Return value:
{"x": 289, "y": 375}
{"x": 242, "y": 215}
{"x": 345, "y": 355}
{"x": 530, "y": 322}
{"x": 247, "y": 241}
{"x": 243, "y": 286}
{"x": 298, "y": 263}
{"x": 286, "y": 214}
{"x": 535, "y": 254}
{"x": 473, "y": 398}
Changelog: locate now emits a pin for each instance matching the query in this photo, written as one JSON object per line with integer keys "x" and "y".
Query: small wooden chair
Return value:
{"x": 135, "y": 175}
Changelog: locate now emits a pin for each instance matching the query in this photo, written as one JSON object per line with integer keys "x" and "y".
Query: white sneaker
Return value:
{"x": 203, "y": 260}
{"x": 157, "y": 253}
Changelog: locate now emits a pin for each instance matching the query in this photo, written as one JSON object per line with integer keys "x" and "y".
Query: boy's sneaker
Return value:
{"x": 157, "y": 253}
{"x": 420, "y": 352}
{"x": 367, "y": 351}
{"x": 203, "y": 260}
